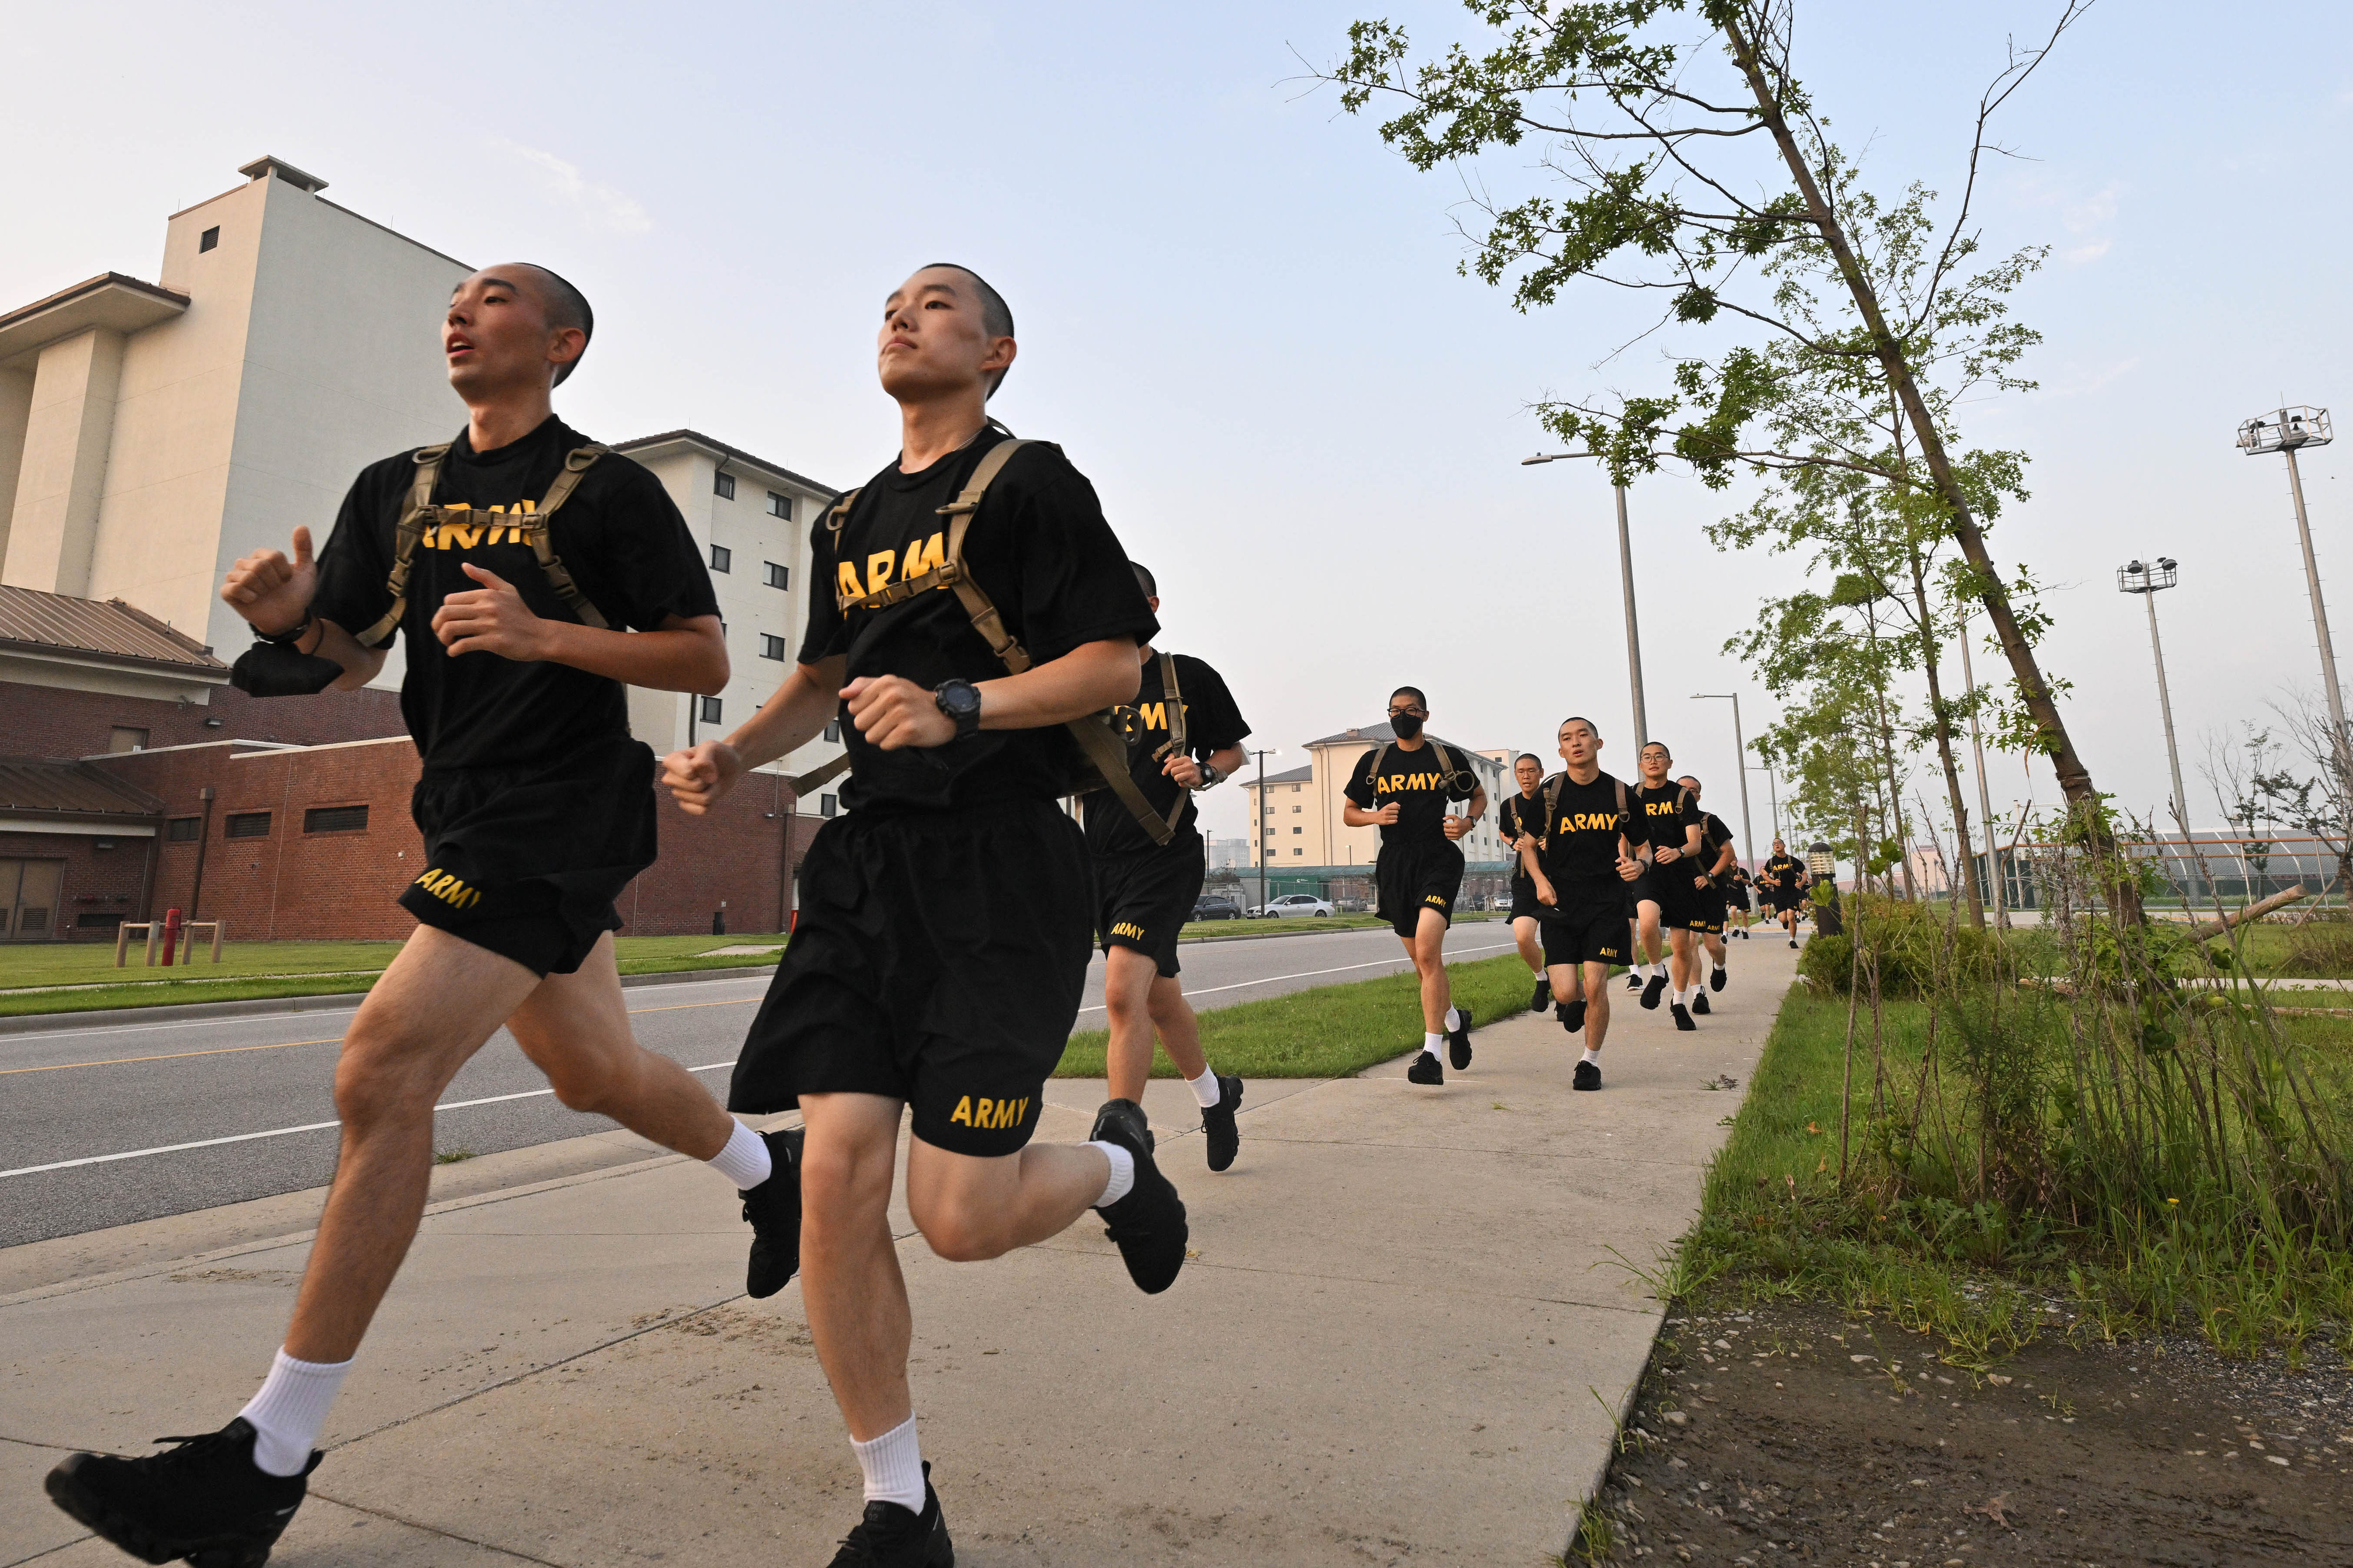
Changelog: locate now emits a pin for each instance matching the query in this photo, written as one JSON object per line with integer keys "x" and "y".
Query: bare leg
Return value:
{"x": 439, "y": 999}
{"x": 1180, "y": 1029}
{"x": 850, "y": 1284}
{"x": 1714, "y": 943}
{"x": 1428, "y": 950}
{"x": 1648, "y": 909}
{"x": 1597, "y": 1005}
{"x": 1524, "y": 931}
{"x": 1127, "y": 998}
{"x": 971, "y": 1208}
{"x": 1679, "y": 958}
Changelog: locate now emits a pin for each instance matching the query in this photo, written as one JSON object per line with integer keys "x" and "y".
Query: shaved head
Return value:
{"x": 996, "y": 315}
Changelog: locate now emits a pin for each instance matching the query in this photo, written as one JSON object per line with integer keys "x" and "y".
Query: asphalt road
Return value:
{"x": 105, "y": 1124}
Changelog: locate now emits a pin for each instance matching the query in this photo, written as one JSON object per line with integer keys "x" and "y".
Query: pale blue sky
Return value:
{"x": 1238, "y": 312}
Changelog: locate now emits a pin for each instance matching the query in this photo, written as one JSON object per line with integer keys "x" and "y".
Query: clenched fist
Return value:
{"x": 270, "y": 592}
{"x": 697, "y": 776}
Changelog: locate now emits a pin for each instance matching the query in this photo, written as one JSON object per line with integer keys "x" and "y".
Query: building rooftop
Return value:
{"x": 69, "y": 789}
{"x": 1296, "y": 775}
{"x": 111, "y": 300}
{"x": 35, "y": 622}
{"x": 721, "y": 448}
{"x": 262, "y": 168}
{"x": 1371, "y": 735}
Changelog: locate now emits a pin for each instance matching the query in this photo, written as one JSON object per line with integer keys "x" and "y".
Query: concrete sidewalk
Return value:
{"x": 1404, "y": 1338}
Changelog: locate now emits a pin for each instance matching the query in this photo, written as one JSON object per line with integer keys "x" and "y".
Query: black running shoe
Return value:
{"x": 1148, "y": 1224}
{"x": 1633, "y": 981}
{"x": 1425, "y": 1069}
{"x": 1217, "y": 1123}
{"x": 1651, "y": 992}
{"x": 891, "y": 1536}
{"x": 1543, "y": 995}
{"x": 1572, "y": 1014}
{"x": 1588, "y": 1076}
{"x": 773, "y": 1209}
{"x": 1683, "y": 1018}
{"x": 1717, "y": 976}
{"x": 1793, "y": 941}
{"x": 1699, "y": 1004}
{"x": 1458, "y": 1041}
{"x": 204, "y": 1500}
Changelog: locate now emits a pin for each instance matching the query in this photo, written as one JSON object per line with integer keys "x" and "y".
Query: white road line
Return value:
{"x": 1302, "y": 974}
{"x": 281, "y": 1131}
{"x": 542, "y": 1093}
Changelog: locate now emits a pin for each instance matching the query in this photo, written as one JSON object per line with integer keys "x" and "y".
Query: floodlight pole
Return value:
{"x": 1626, "y": 586}
{"x": 2319, "y": 623}
{"x": 1740, "y": 755}
{"x": 2148, "y": 581}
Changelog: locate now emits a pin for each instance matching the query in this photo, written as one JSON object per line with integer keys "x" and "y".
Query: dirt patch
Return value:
{"x": 1798, "y": 1433}
{"x": 734, "y": 1325}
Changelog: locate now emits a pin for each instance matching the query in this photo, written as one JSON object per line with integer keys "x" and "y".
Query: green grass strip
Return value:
{"x": 1330, "y": 1031}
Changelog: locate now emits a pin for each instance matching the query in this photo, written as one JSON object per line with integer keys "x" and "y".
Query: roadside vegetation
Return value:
{"x": 1991, "y": 1141}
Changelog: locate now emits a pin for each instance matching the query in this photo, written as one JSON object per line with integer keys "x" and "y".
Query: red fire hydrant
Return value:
{"x": 171, "y": 935}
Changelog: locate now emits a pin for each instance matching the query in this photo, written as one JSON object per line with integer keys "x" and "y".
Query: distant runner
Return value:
{"x": 1581, "y": 869}
{"x": 1520, "y": 823}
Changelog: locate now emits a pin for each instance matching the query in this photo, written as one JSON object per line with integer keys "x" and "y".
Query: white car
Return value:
{"x": 1292, "y": 904}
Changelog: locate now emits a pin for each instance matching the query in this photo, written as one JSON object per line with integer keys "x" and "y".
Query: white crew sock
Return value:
{"x": 1453, "y": 1019}
{"x": 1431, "y": 1043}
{"x": 1593, "y": 1054}
{"x": 288, "y": 1411}
{"x": 1121, "y": 1183}
{"x": 893, "y": 1467}
{"x": 1713, "y": 964}
{"x": 1206, "y": 1089}
{"x": 745, "y": 1161}
{"x": 1641, "y": 972}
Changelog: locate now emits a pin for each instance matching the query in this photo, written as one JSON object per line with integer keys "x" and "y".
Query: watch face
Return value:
{"x": 960, "y": 700}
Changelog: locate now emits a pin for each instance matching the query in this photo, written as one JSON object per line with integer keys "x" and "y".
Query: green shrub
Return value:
{"x": 1915, "y": 946}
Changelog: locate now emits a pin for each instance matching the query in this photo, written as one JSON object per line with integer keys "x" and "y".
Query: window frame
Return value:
{"x": 777, "y": 575}
{"x": 773, "y": 646}
{"x": 230, "y": 820}
{"x": 722, "y": 484}
{"x": 722, "y": 559}
{"x": 708, "y": 709}
{"x": 780, "y": 505}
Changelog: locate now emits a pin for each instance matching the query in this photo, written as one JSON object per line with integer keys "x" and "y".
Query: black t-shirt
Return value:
{"x": 1783, "y": 874}
{"x": 619, "y": 536}
{"x": 1519, "y": 814}
{"x": 1417, "y": 782}
{"x": 1661, "y": 817}
{"x": 1038, "y": 548}
{"x": 1713, "y": 835}
{"x": 1212, "y": 723}
{"x": 1581, "y": 837}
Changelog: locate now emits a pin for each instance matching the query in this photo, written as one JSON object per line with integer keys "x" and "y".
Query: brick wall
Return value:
{"x": 101, "y": 881}
{"x": 287, "y": 883}
{"x": 50, "y": 721}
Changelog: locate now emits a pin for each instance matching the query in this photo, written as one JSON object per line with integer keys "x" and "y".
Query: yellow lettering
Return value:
{"x": 984, "y": 1114}
{"x": 877, "y": 570}
{"x": 963, "y": 1112}
{"x": 847, "y": 580}
{"x": 924, "y": 557}
{"x": 1153, "y": 715}
{"x": 468, "y": 535}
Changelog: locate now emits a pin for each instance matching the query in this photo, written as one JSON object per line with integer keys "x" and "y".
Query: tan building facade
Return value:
{"x": 1298, "y": 822}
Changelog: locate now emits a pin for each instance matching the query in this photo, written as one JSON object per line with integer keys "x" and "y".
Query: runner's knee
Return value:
{"x": 843, "y": 1184}
{"x": 959, "y": 1229}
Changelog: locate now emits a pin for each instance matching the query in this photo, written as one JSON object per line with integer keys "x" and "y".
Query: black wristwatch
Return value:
{"x": 289, "y": 636}
{"x": 960, "y": 700}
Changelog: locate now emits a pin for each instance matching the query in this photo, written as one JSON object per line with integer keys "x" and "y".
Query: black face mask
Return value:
{"x": 1406, "y": 725}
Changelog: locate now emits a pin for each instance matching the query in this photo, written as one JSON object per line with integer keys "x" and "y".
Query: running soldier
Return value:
{"x": 1403, "y": 786}
{"x": 1784, "y": 883}
{"x": 1736, "y": 891}
{"x": 1581, "y": 869}
{"x": 510, "y": 559}
{"x": 945, "y": 921}
{"x": 1667, "y": 826}
{"x": 1519, "y": 823}
{"x": 1711, "y": 865}
{"x": 1186, "y": 735}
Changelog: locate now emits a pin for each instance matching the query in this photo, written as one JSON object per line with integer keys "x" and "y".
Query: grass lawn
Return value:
{"x": 1328, "y": 1032}
{"x": 258, "y": 969}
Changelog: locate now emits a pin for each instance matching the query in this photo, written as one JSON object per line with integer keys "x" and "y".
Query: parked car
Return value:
{"x": 1292, "y": 904}
{"x": 1215, "y": 909}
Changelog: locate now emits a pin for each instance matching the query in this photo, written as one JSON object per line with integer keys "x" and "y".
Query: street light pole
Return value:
{"x": 1985, "y": 796}
{"x": 2286, "y": 430}
{"x": 1740, "y": 755}
{"x": 1626, "y": 584}
{"x": 1258, "y": 826}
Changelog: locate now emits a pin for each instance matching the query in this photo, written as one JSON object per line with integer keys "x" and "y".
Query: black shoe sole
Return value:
{"x": 1458, "y": 1043}
{"x": 135, "y": 1537}
{"x": 1651, "y": 992}
{"x": 1223, "y": 1138}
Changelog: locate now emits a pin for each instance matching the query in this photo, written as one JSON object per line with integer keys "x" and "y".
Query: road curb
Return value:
{"x": 321, "y": 1001}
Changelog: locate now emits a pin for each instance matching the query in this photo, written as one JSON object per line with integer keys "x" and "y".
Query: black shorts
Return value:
{"x": 1736, "y": 895}
{"x": 938, "y": 959}
{"x": 1705, "y": 913}
{"x": 1142, "y": 901}
{"x": 1524, "y": 905}
{"x": 1584, "y": 930}
{"x": 527, "y": 862}
{"x": 1411, "y": 878}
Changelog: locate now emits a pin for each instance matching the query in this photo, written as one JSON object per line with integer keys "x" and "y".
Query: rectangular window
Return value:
{"x": 123, "y": 738}
{"x": 247, "y": 824}
{"x": 825, "y": 806}
{"x": 710, "y": 712}
{"x": 723, "y": 486}
{"x": 722, "y": 558}
{"x": 771, "y": 647}
{"x": 1299, "y": 830}
{"x": 833, "y": 729}
{"x": 335, "y": 819}
{"x": 778, "y": 576}
{"x": 96, "y": 921}
{"x": 780, "y": 506}
{"x": 183, "y": 829}
{"x": 1299, "y": 852}
{"x": 208, "y": 240}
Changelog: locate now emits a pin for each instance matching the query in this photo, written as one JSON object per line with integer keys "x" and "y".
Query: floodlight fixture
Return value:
{"x": 2284, "y": 431}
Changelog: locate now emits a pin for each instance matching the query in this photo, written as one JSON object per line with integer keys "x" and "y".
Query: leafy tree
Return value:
{"x": 1699, "y": 171}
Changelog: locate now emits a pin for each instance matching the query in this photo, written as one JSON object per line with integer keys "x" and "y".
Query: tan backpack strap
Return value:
{"x": 838, "y": 512}
{"x": 414, "y": 516}
{"x": 1178, "y": 741}
{"x": 801, "y": 783}
{"x": 543, "y": 544}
